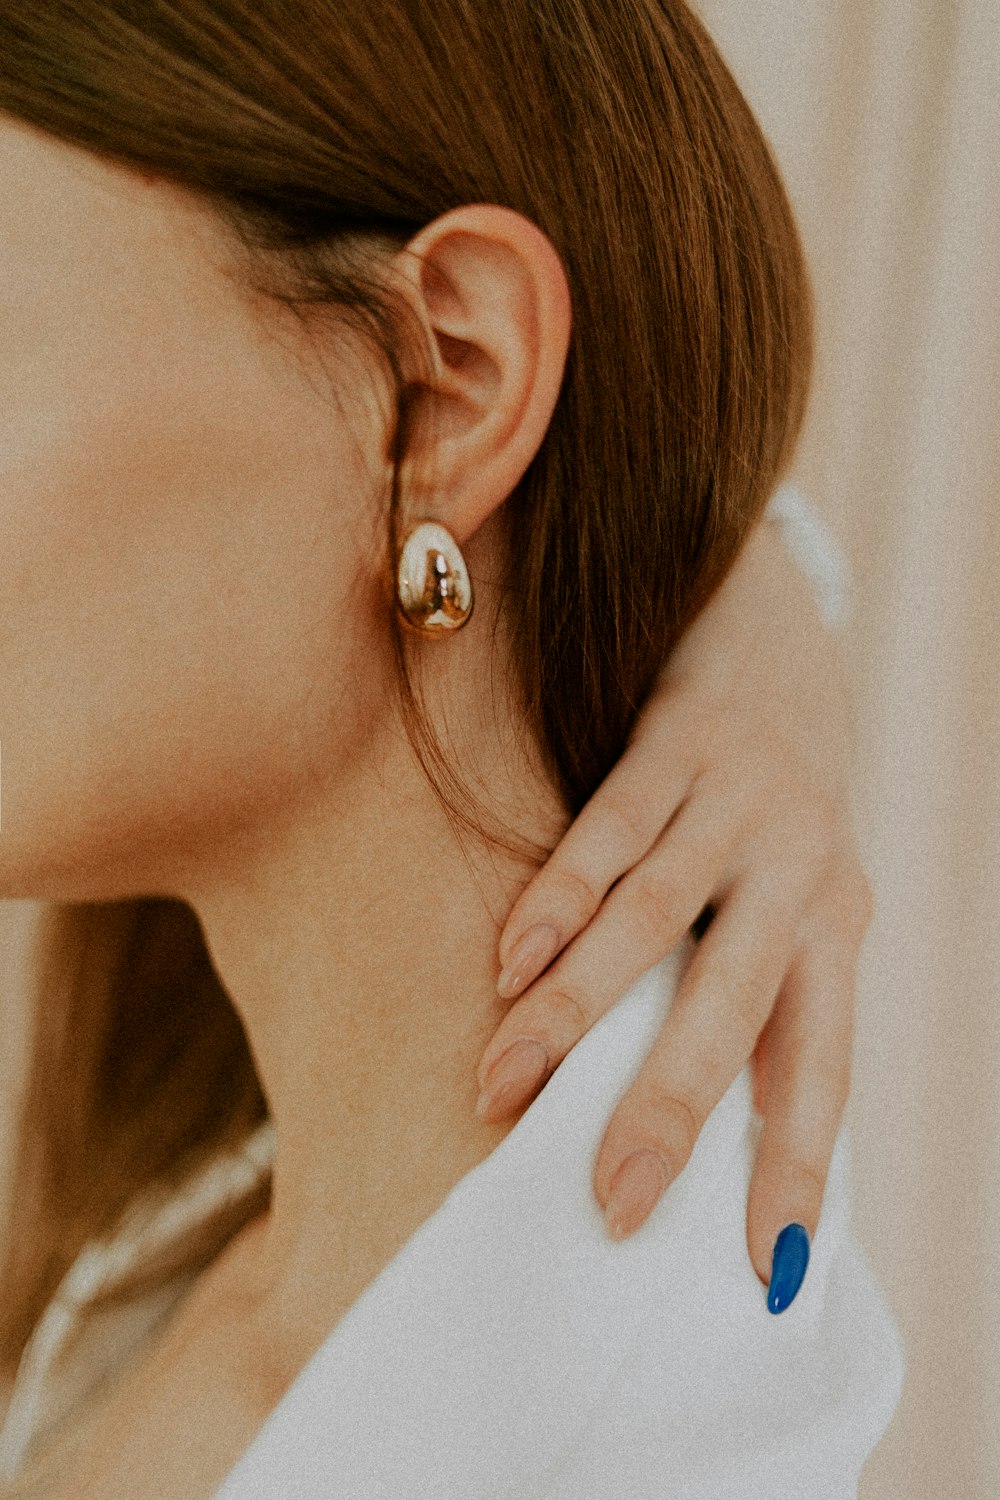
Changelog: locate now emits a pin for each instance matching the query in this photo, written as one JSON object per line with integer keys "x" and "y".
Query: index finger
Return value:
{"x": 618, "y": 825}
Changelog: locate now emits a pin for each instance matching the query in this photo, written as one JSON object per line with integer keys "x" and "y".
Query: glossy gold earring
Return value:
{"x": 433, "y": 587}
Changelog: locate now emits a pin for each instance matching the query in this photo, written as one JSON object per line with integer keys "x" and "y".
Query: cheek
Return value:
{"x": 183, "y": 618}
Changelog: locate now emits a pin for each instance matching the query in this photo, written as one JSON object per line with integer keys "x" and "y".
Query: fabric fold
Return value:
{"x": 512, "y": 1349}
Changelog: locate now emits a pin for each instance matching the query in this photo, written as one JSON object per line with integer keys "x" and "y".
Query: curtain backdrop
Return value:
{"x": 885, "y": 118}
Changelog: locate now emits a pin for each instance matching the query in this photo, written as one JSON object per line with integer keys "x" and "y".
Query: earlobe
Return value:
{"x": 492, "y": 296}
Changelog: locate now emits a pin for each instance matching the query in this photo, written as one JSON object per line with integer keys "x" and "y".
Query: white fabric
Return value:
{"x": 817, "y": 552}
{"x": 513, "y": 1349}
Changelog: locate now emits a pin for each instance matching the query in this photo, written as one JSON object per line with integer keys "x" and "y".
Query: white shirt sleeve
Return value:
{"x": 817, "y": 552}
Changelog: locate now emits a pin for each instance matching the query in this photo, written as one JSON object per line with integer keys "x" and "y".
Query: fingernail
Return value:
{"x": 635, "y": 1188}
{"x": 515, "y": 1074}
{"x": 788, "y": 1266}
{"x": 532, "y": 951}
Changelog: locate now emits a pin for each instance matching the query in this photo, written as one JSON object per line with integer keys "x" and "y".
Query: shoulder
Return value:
{"x": 729, "y": 1400}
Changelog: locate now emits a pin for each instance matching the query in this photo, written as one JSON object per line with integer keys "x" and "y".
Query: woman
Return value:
{"x": 283, "y": 288}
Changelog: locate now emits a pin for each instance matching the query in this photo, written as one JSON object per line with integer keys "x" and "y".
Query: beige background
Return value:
{"x": 885, "y": 119}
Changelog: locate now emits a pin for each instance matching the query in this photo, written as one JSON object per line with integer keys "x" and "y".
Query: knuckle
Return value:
{"x": 566, "y": 1014}
{"x": 626, "y": 827}
{"x": 676, "y": 1121}
{"x": 581, "y": 893}
{"x": 656, "y": 900}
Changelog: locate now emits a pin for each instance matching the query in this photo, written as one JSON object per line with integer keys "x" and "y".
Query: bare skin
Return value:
{"x": 177, "y": 1420}
{"x": 197, "y": 702}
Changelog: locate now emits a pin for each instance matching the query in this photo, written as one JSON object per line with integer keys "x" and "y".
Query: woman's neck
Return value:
{"x": 360, "y": 951}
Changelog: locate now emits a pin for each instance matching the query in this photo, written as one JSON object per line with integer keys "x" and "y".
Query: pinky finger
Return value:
{"x": 804, "y": 1055}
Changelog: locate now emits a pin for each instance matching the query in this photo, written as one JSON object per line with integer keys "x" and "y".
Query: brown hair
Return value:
{"x": 315, "y": 129}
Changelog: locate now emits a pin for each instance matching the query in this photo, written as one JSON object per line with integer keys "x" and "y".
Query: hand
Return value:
{"x": 733, "y": 791}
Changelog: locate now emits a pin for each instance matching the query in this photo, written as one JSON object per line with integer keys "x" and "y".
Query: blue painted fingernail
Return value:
{"x": 788, "y": 1266}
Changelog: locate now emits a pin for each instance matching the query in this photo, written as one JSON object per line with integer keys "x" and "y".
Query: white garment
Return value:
{"x": 817, "y": 552}
{"x": 513, "y": 1349}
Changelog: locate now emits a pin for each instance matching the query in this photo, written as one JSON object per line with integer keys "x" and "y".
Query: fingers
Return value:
{"x": 805, "y": 1054}
{"x": 618, "y": 825}
{"x": 642, "y": 919}
{"x": 725, "y": 997}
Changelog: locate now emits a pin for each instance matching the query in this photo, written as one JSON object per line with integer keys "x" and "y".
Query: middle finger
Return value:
{"x": 639, "y": 922}
{"x": 727, "y": 993}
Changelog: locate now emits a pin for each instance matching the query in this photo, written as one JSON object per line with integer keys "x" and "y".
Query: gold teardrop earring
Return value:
{"x": 433, "y": 587}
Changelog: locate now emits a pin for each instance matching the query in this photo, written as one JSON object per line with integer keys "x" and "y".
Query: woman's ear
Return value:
{"x": 491, "y": 294}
